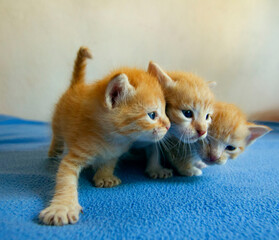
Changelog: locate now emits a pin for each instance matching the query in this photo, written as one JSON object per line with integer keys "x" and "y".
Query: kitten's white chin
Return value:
{"x": 202, "y": 137}
{"x": 222, "y": 162}
{"x": 157, "y": 139}
{"x": 195, "y": 139}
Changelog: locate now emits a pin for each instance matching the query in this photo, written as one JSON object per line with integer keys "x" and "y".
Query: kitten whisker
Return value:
{"x": 163, "y": 145}
{"x": 168, "y": 143}
{"x": 172, "y": 141}
{"x": 181, "y": 145}
{"x": 161, "y": 153}
{"x": 190, "y": 148}
{"x": 211, "y": 137}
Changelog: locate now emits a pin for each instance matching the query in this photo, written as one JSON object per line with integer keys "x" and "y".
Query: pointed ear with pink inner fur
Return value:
{"x": 118, "y": 90}
{"x": 155, "y": 70}
{"x": 256, "y": 131}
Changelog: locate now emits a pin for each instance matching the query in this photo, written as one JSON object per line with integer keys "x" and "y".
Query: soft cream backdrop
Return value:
{"x": 235, "y": 43}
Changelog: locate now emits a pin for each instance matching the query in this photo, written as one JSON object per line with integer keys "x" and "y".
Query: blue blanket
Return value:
{"x": 236, "y": 201}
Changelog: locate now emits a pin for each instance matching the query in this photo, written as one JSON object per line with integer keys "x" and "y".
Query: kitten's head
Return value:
{"x": 229, "y": 134}
{"x": 189, "y": 103}
{"x": 135, "y": 102}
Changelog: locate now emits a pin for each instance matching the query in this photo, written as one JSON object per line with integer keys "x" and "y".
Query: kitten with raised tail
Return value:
{"x": 189, "y": 107}
{"x": 98, "y": 122}
{"x": 228, "y": 136}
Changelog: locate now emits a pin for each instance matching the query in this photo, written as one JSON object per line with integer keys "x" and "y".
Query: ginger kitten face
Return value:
{"x": 137, "y": 105}
{"x": 189, "y": 103}
{"x": 229, "y": 134}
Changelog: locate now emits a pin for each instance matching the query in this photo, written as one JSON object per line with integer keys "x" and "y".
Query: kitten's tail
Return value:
{"x": 80, "y": 65}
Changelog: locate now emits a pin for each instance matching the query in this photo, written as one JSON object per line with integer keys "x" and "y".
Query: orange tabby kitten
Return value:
{"x": 189, "y": 108}
{"x": 228, "y": 136}
{"x": 98, "y": 122}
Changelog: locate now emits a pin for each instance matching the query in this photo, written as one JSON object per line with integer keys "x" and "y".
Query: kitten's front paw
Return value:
{"x": 194, "y": 171}
{"x": 200, "y": 165}
{"x": 159, "y": 173}
{"x": 106, "y": 181}
{"x": 60, "y": 214}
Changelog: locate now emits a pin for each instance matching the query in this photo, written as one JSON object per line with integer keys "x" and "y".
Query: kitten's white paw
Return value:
{"x": 60, "y": 214}
{"x": 106, "y": 181}
{"x": 200, "y": 165}
{"x": 194, "y": 171}
{"x": 159, "y": 173}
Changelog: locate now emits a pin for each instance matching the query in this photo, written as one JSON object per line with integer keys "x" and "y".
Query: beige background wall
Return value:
{"x": 235, "y": 43}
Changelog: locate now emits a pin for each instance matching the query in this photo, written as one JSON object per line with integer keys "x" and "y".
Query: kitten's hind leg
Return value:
{"x": 56, "y": 147}
{"x": 57, "y": 143}
{"x": 154, "y": 169}
{"x": 104, "y": 177}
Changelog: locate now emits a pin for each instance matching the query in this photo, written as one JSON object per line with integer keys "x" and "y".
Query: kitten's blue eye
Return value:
{"x": 230, "y": 148}
{"x": 152, "y": 115}
{"x": 187, "y": 113}
{"x": 207, "y": 116}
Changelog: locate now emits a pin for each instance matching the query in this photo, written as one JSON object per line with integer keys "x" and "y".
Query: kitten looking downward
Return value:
{"x": 98, "y": 122}
{"x": 229, "y": 134}
{"x": 189, "y": 108}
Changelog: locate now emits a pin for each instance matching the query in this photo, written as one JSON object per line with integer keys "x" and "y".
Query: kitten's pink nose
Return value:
{"x": 213, "y": 158}
{"x": 201, "y": 132}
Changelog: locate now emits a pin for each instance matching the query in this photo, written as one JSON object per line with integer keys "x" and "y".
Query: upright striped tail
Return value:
{"x": 80, "y": 66}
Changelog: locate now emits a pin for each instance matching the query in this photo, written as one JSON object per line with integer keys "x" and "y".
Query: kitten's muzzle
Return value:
{"x": 160, "y": 133}
{"x": 213, "y": 158}
{"x": 166, "y": 123}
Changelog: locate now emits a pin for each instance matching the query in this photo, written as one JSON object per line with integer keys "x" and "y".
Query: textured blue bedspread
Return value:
{"x": 236, "y": 201}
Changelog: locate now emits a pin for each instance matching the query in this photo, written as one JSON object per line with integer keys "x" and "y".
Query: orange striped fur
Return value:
{"x": 183, "y": 91}
{"x": 98, "y": 122}
{"x": 229, "y": 134}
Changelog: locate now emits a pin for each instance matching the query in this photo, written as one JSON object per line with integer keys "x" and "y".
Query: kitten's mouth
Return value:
{"x": 202, "y": 137}
{"x": 209, "y": 162}
{"x": 195, "y": 138}
{"x": 191, "y": 140}
{"x": 183, "y": 135}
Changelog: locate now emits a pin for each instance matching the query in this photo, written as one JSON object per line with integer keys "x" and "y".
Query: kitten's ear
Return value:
{"x": 256, "y": 131}
{"x": 155, "y": 70}
{"x": 211, "y": 84}
{"x": 118, "y": 90}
